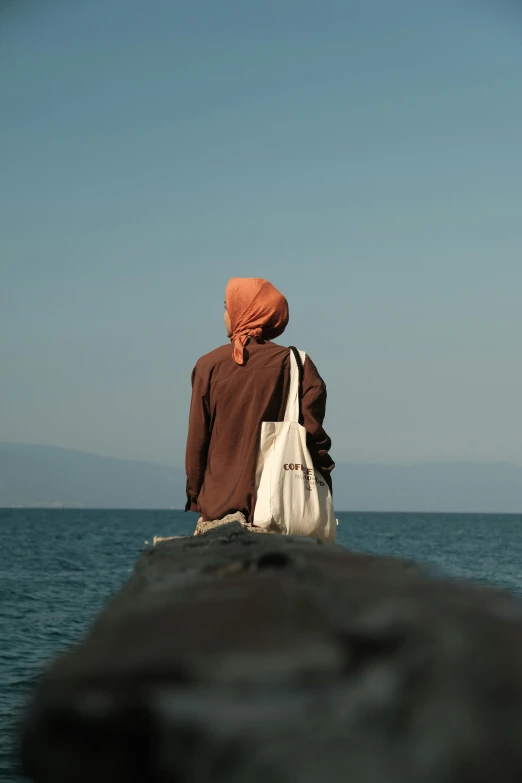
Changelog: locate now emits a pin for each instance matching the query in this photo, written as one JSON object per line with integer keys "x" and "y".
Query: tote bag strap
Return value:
{"x": 296, "y": 379}
{"x": 299, "y": 362}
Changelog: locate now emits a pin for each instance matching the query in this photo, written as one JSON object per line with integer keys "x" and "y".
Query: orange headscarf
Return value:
{"x": 256, "y": 309}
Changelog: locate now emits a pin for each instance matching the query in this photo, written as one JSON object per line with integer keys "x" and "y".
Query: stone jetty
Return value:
{"x": 238, "y": 657}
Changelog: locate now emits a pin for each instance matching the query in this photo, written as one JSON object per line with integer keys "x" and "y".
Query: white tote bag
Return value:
{"x": 292, "y": 496}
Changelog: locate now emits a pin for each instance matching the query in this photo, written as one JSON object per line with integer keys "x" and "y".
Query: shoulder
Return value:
{"x": 312, "y": 375}
{"x": 206, "y": 363}
{"x": 308, "y": 362}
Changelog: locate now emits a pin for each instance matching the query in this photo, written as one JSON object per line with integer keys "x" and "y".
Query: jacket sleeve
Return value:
{"x": 198, "y": 440}
{"x": 313, "y": 408}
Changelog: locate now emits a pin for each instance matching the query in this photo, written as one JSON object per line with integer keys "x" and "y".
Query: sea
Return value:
{"x": 58, "y": 568}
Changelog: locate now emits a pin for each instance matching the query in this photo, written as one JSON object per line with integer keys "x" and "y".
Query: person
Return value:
{"x": 233, "y": 391}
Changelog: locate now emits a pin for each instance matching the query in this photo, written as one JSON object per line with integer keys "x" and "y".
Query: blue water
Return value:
{"x": 59, "y": 567}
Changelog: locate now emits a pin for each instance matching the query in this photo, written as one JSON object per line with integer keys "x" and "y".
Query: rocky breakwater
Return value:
{"x": 238, "y": 657}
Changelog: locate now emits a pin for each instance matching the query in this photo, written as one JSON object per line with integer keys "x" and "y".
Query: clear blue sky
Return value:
{"x": 364, "y": 156}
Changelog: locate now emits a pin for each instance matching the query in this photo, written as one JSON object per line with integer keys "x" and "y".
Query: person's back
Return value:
{"x": 233, "y": 392}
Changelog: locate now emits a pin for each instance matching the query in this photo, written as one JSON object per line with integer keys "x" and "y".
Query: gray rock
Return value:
{"x": 236, "y": 657}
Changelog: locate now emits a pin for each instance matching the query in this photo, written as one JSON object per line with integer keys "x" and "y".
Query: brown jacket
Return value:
{"x": 229, "y": 402}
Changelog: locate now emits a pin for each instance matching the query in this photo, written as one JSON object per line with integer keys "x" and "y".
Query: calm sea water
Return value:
{"x": 58, "y": 568}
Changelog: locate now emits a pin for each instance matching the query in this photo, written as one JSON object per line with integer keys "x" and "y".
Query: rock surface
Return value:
{"x": 231, "y": 657}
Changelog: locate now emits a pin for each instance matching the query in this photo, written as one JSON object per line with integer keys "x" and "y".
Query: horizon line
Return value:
{"x": 50, "y": 507}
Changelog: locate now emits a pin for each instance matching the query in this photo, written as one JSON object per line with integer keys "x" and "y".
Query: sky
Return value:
{"x": 363, "y": 156}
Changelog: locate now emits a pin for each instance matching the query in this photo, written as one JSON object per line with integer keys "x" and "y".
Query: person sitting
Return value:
{"x": 233, "y": 392}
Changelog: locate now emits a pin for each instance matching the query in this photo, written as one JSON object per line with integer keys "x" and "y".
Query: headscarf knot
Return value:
{"x": 256, "y": 309}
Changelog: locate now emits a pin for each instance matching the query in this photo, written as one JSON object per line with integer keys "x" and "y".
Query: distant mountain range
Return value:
{"x": 46, "y": 476}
